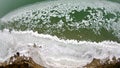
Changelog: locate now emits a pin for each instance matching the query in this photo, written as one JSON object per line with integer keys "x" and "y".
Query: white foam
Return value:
{"x": 55, "y": 52}
{"x": 63, "y": 6}
{"x": 43, "y": 12}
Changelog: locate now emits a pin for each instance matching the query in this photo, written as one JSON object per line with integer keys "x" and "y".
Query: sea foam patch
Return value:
{"x": 63, "y": 6}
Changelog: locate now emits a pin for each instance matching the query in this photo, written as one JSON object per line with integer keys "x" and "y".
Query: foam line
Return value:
{"x": 55, "y": 52}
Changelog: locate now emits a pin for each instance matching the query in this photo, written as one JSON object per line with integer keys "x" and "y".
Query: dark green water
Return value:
{"x": 100, "y": 24}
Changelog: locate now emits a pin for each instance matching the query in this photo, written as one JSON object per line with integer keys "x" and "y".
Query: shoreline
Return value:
{"x": 104, "y": 63}
{"x": 18, "y": 61}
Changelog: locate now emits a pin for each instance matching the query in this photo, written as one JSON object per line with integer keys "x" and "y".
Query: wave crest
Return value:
{"x": 70, "y": 20}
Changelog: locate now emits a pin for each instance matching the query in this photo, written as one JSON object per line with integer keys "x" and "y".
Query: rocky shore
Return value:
{"x": 18, "y": 61}
{"x": 104, "y": 63}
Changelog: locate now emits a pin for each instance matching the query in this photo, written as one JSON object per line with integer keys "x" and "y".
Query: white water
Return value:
{"x": 55, "y": 52}
{"x": 26, "y": 16}
{"x": 62, "y": 6}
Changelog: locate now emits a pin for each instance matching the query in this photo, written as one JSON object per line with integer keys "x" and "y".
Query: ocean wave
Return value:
{"x": 79, "y": 20}
{"x": 52, "y": 51}
{"x": 60, "y": 34}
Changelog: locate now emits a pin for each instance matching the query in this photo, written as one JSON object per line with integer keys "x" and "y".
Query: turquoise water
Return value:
{"x": 7, "y": 6}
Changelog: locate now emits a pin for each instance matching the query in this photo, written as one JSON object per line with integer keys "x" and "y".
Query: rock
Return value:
{"x": 34, "y": 45}
{"x": 97, "y": 63}
{"x": 18, "y": 61}
{"x": 40, "y": 47}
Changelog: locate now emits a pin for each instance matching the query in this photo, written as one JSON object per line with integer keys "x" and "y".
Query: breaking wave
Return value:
{"x": 80, "y": 20}
{"x": 55, "y": 52}
{"x": 71, "y": 33}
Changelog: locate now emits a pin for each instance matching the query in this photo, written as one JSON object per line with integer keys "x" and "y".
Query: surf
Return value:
{"x": 65, "y": 33}
{"x": 56, "y": 52}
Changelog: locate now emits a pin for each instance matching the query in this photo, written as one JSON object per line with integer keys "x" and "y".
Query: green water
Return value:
{"x": 8, "y": 5}
{"x": 97, "y": 29}
{"x": 117, "y": 1}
